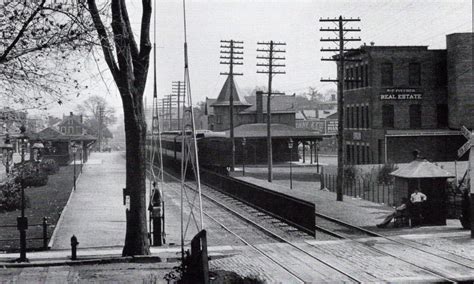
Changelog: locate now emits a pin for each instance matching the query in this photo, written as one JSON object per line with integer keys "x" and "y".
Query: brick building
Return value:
{"x": 247, "y": 110}
{"x": 406, "y": 98}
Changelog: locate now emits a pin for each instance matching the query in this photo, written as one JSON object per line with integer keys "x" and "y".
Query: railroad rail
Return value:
{"x": 354, "y": 233}
{"x": 271, "y": 233}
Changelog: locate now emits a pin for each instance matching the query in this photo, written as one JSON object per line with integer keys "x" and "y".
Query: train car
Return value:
{"x": 214, "y": 149}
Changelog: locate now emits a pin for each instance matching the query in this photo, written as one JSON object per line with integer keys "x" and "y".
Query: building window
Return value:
{"x": 351, "y": 82}
{"x": 366, "y": 115}
{"x": 442, "y": 115}
{"x": 348, "y": 154}
{"x": 414, "y": 74}
{"x": 347, "y": 117}
{"x": 388, "y": 116}
{"x": 70, "y": 130}
{"x": 63, "y": 130}
{"x": 415, "y": 116}
{"x": 387, "y": 74}
{"x": 356, "y": 83}
{"x": 218, "y": 119}
{"x": 353, "y": 117}
{"x": 357, "y": 115}
{"x": 364, "y": 121}
{"x": 366, "y": 76}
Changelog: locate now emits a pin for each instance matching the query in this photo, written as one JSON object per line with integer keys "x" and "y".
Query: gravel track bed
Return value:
{"x": 340, "y": 229}
{"x": 218, "y": 235}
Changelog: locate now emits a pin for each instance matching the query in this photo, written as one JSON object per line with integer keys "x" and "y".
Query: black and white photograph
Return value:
{"x": 236, "y": 141}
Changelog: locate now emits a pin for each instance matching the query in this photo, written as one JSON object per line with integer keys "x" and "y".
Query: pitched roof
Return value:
{"x": 278, "y": 104}
{"x": 421, "y": 169}
{"x": 259, "y": 130}
{"x": 224, "y": 95}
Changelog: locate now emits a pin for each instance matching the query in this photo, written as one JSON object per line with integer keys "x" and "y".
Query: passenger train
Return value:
{"x": 214, "y": 149}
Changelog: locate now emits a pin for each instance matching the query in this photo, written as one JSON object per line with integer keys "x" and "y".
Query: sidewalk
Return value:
{"x": 95, "y": 212}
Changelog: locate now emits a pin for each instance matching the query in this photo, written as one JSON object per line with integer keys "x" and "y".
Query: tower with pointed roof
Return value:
{"x": 222, "y": 104}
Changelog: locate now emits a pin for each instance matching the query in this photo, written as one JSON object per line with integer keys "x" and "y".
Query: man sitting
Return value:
{"x": 399, "y": 211}
{"x": 417, "y": 198}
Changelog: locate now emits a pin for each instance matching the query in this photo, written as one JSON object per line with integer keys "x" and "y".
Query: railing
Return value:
{"x": 362, "y": 188}
{"x": 37, "y": 232}
{"x": 295, "y": 211}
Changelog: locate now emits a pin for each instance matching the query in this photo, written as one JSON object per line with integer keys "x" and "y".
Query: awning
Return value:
{"x": 421, "y": 169}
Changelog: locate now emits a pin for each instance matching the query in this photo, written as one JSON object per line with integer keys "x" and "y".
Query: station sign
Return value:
{"x": 401, "y": 94}
{"x": 323, "y": 126}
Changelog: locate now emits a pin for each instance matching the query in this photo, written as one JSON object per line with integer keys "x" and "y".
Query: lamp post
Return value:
{"x": 22, "y": 221}
{"x": 244, "y": 152}
{"x": 317, "y": 156}
{"x": 74, "y": 150}
{"x": 290, "y": 146}
{"x": 7, "y": 153}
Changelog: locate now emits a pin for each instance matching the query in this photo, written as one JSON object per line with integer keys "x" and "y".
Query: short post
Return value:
{"x": 290, "y": 145}
{"x": 74, "y": 244}
{"x": 45, "y": 233}
{"x": 244, "y": 152}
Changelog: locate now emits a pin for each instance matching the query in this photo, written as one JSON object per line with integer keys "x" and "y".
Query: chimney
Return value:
{"x": 81, "y": 119}
{"x": 70, "y": 113}
{"x": 259, "y": 106}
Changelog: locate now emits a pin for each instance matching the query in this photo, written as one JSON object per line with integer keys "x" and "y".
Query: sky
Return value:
{"x": 296, "y": 22}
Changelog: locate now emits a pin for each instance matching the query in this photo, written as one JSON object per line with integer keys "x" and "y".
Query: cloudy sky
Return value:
{"x": 296, "y": 22}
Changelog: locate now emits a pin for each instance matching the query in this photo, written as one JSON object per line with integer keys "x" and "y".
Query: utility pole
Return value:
{"x": 101, "y": 114}
{"x": 340, "y": 31}
{"x": 270, "y": 59}
{"x": 231, "y": 54}
{"x": 178, "y": 91}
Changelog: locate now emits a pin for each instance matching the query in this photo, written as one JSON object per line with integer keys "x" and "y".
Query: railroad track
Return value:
{"x": 328, "y": 225}
{"x": 344, "y": 230}
{"x": 274, "y": 235}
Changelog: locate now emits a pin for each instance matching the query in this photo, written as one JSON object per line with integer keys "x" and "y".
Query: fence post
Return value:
{"x": 45, "y": 233}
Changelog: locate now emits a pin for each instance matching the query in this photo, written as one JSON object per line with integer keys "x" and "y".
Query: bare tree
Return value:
{"x": 90, "y": 109}
{"x": 128, "y": 62}
{"x": 36, "y": 39}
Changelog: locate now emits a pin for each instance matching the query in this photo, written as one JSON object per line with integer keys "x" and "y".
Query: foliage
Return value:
{"x": 37, "y": 37}
{"x": 49, "y": 166}
{"x": 31, "y": 174}
{"x": 383, "y": 176}
{"x": 10, "y": 196}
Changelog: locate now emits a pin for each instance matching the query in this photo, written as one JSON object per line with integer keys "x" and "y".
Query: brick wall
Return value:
{"x": 460, "y": 79}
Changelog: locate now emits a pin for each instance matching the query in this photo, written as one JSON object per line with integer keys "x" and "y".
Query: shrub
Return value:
{"x": 32, "y": 174}
{"x": 10, "y": 196}
{"x": 384, "y": 177}
{"x": 49, "y": 166}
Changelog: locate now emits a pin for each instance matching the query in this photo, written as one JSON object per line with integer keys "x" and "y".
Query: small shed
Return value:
{"x": 431, "y": 180}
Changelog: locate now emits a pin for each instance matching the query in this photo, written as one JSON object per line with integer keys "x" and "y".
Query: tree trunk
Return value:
{"x": 136, "y": 238}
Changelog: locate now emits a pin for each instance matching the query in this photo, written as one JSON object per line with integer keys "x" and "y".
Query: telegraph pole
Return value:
{"x": 178, "y": 91}
{"x": 270, "y": 59}
{"x": 231, "y": 54}
{"x": 340, "y": 30}
{"x": 101, "y": 114}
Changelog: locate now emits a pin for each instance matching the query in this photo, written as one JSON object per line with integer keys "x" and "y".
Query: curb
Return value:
{"x": 60, "y": 220}
{"x": 104, "y": 260}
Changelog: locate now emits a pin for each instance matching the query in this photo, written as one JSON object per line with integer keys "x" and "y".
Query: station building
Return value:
{"x": 407, "y": 98}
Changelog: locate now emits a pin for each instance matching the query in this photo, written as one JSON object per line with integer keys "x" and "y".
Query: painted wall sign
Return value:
{"x": 401, "y": 94}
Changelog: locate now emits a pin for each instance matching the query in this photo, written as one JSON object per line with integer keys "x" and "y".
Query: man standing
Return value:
{"x": 417, "y": 198}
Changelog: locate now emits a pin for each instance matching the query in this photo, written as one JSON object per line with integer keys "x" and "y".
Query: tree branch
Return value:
{"x": 22, "y": 31}
{"x": 104, "y": 41}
